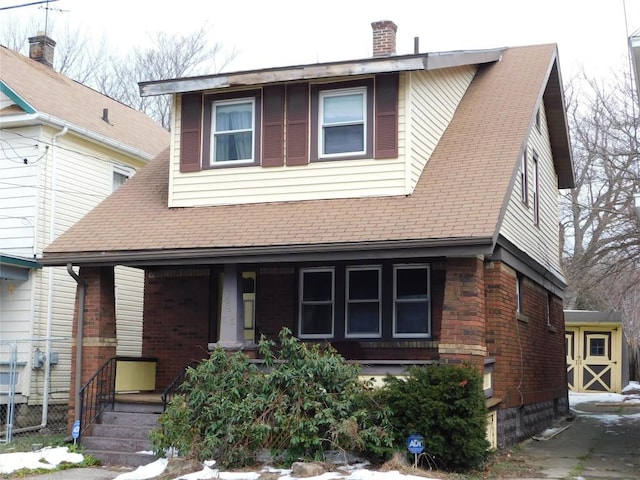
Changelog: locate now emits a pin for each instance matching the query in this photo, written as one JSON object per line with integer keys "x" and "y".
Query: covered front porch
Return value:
{"x": 384, "y": 314}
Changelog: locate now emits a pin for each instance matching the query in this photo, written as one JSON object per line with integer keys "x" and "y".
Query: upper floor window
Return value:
{"x": 233, "y": 125}
{"x": 536, "y": 190}
{"x": 316, "y": 303}
{"x": 411, "y": 316}
{"x": 363, "y": 302}
{"x": 524, "y": 178}
{"x": 120, "y": 175}
{"x": 342, "y": 122}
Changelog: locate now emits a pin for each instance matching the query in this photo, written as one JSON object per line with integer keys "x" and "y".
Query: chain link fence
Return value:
{"x": 35, "y": 375}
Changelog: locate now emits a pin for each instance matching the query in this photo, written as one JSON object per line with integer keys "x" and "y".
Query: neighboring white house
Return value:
{"x": 63, "y": 148}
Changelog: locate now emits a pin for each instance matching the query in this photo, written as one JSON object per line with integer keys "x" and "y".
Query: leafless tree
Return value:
{"x": 93, "y": 62}
{"x": 600, "y": 230}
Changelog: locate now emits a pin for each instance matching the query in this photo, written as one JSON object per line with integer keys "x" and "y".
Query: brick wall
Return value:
{"x": 99, "y": 327}
{"x": 528, "y": 349}
{"x": 276, "y": 301}
{"x": 177, "y": 319}
{"x": 462, "y": 337}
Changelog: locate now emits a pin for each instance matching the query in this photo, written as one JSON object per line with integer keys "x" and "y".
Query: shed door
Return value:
{"x": 593, "y": 363}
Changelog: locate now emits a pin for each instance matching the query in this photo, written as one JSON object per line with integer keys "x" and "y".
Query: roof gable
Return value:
{"x": 54, "y": 98}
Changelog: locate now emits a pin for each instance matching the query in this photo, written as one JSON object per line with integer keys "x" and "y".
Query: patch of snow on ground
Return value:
{"x": 145, "y": 472}
{"x": 48, "y": 458}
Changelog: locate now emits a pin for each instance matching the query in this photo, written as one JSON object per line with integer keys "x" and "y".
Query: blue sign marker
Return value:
{"x": 415, "y": 443}
{"x": 75, "y": 430}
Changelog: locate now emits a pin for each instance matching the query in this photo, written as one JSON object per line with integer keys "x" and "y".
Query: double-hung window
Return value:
{"x": 411, "y": 314}
{"x": 316, "y": 303}
{"x": 233, "y": 131}
{"x": 363, "y": 302}
{"x": 342, "y": 122}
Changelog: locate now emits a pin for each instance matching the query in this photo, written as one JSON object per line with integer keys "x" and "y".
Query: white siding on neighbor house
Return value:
{"x": 541, "y": 242}
{"x": 22, "y": 155}
{"x": 84, "y": 177}
{"x": 433, "y": 98}
{"x": 319, "y": 180}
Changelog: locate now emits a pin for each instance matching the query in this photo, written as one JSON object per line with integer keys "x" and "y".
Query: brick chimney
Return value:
{"x": 384, "y": 38}
{"x": 41, "y": 49}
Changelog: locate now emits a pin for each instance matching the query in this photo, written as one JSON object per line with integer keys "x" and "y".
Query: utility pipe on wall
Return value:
{"x": 52, "y": 233}
{"x": 78, "y": 378}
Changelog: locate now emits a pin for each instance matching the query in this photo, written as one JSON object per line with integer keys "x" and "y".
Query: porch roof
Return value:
{"x": 456, "y": 207}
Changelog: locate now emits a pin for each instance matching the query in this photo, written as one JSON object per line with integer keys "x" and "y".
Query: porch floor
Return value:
{"x": 139, "y": 397}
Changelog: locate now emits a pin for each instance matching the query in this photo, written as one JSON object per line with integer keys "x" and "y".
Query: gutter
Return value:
{"x": 454, "y": 247}
{"x": 636, "y": 201}
{"x": 20, "y": 120}
{"x": 82, "y": 287}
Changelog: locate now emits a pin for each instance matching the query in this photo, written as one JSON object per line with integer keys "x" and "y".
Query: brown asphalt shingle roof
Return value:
{"x": 52, "y": 93}
{"x": 460, "y": 195}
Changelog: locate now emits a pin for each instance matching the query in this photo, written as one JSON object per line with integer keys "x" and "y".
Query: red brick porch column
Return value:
{"x": 99, "y": 327}
{"x": 463, "y": 316}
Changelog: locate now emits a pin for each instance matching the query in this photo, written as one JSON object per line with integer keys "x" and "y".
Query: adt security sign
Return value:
{"x": 415, "y": 443}
{"x": 75, "y": 430}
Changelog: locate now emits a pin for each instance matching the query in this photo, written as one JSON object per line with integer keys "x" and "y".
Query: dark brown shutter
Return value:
{"x": 273, "y": 126}
{"x": 386, "y": 136}
{"x": 191, "y": 132}
{"x": 298, "y": 124}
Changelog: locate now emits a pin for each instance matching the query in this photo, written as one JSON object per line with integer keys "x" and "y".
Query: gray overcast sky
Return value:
{"x": 289, "y": 32}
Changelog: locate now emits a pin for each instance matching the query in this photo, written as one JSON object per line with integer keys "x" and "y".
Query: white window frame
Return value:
{"x": 233, "y": 101}
{"x": 524, "y": 178}
{"x": 536, "y": 189}
{"x": 519, "y": 293}
{"x": 332, "y": 302}
{"x": 416, "y": 266}
{"x": 337, "y": 93}
{"x": 348, "y": 301}
{"x": 123, "y": 170}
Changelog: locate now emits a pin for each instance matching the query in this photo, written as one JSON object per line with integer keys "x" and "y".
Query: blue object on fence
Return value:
{"x": 415, "y": 443}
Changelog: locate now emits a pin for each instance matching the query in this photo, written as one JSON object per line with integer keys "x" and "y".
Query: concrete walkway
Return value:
{"x": 602, "y": 442}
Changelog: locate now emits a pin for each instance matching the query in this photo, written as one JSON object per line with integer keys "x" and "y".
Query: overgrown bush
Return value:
{"x": 307, "y": 401}
{"x": 446, "y": 405}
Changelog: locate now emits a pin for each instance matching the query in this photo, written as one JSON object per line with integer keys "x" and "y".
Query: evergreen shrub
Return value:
{"x": 446, "y": 405}
{"x": 306, "y": 400}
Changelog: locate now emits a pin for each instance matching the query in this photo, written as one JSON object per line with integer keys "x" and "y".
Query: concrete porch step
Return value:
{"x": 122, "y": 436}
{"x": 129, "y": 459}
{"x": 107, "y": 430}
{"x": 134, "y": 419}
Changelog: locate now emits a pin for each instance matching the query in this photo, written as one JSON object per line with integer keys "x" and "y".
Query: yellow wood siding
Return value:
{"x": 434, "y": 97}
{"x": 321, "y": 180}
{"x": 542, "y": 242}
{"x": 429, "y": 98}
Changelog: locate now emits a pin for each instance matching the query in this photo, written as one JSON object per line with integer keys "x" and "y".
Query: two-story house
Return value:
{"x": 63, "y": 148}
{"x": 401, "y": 207}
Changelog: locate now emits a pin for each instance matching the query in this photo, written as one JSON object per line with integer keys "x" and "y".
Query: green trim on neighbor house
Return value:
{"x": 4, "y": 88}
{"x": 16, "y": 268}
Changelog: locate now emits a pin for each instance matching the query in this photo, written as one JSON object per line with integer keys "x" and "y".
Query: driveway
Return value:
{"x": 602, "y": 442}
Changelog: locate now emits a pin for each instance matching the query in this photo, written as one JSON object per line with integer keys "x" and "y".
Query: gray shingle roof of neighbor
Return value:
{"x": 458, "y": 200}
{"x": 58, "y": 98}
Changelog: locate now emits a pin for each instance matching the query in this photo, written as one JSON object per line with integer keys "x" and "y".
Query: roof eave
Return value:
{"x": 370, "y": 66}
{"x": 452, "y": 247}
{"x": 554, "y": 103}
{"x": 41, "y": 118}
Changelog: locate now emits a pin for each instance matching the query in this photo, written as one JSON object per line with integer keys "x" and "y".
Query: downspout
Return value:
{"x": 78, "y": 378}
{"x": 52, "y": 233}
